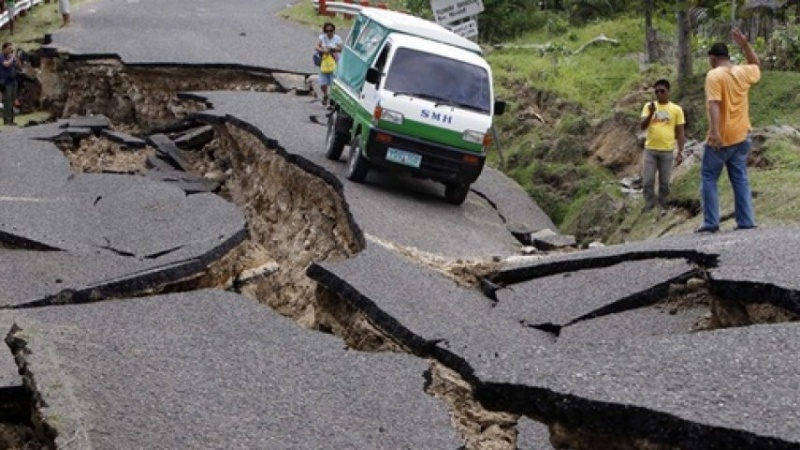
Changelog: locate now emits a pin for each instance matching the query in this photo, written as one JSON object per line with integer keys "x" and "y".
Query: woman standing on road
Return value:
{"x": 328, "y": 43}
{"x": 11, "y": 7}
{"x": 63, "y": 9}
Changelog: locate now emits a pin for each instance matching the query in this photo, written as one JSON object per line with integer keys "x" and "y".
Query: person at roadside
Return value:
{"x": 328, "y": 43}
{"x": 664, "y": 122}
{"x": 11, "y": 7}
{"x": 63, "y": 9}
{"x": 9, "y": 65}
{"x": 728, "y": 142}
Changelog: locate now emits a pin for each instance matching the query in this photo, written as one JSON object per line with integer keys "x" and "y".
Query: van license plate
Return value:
{"x": 403, "y": 157}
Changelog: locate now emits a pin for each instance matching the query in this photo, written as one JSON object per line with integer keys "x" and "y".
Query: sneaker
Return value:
{"x": 737, "y": 228}
{"x": 705, "y": 229}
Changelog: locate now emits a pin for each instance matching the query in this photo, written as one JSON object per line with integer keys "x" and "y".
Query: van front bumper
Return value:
{"x": 438, "y": 162}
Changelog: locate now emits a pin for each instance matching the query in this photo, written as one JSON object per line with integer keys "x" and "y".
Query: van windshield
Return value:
{"x": 443, "y": 80}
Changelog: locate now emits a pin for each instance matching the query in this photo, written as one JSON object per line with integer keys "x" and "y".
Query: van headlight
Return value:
{"x": 476, "y": 137}
{"x": 392, "y": 116}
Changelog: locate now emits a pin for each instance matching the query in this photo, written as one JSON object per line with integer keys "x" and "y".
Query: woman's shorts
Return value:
{"x": 325, "y": 79}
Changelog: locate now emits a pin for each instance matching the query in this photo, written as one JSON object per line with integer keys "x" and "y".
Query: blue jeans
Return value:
{"x": 734, "y": 159}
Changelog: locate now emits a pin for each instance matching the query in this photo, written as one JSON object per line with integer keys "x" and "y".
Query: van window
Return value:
{"x": 381, "y": 61}
{"x": 440, "y": 79}
{"x": 355, "y": 31}
{"x": 367, "y": 42}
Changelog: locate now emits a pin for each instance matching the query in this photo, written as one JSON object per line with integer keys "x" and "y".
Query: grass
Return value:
{"x": 594, "y": 78}
{"x": 29, "y": 30}
{"x": 303, "y": 12}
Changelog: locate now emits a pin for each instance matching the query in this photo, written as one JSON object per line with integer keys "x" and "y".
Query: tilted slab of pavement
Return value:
{"x": 752, "y": 266}
{"x": 391, "y": 207}
{"x": 88, "y": 236}
{"x": 731, "y": 388}
{"x": 210, "y": 369}
{"x": 427, "y": 312}
{"x": 558, "y": 300}
{"x": 725, "y": 389}
{"x": 244, "y": 33}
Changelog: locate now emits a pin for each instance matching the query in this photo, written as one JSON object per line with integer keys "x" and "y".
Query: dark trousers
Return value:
{"x": 9, "y": 98}
{"x": 661, "y": 162}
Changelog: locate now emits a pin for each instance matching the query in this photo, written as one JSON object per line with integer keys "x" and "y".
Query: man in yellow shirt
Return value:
{"x": 728, "y": 142}
{"x": 664, "y": 122}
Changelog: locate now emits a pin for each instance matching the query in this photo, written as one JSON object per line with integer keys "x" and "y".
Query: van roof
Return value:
{"x": 415, "y": 42}
{"x": 416, "y": 26}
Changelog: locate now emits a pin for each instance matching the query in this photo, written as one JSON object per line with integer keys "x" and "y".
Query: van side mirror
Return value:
{"x": 499, "y": 107}
{"x": 373, "y": 76}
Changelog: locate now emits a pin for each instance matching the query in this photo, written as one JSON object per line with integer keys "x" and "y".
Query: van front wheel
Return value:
{"x": 357, "y": 164}
{"x": 334, "y": 142}
{"x": 456, "y": 193}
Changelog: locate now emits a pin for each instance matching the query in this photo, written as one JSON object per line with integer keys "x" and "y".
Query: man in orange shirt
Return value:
{"x": 728, "y": 142}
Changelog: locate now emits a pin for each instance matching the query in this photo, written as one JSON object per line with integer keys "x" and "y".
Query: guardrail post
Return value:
{"x": 364, "y": 3}
{"x": 323, "y": 8}
{"x": 345, "y": 15}
{"x": 382, "y": 5}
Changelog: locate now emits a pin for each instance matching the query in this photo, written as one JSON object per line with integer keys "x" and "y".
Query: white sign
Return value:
{"x": 467, "y": 29}
{"x": 449, "y": 11}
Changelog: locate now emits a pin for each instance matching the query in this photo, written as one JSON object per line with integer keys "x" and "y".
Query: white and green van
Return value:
{"x": 410, "y": 95}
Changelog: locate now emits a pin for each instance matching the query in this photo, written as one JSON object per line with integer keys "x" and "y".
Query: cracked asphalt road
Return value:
{"x": 213, "y": 369}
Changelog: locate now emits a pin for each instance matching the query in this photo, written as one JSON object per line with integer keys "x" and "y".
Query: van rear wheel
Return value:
{"x": 357, "y": 164}
{"x": 456, "y": 193}
{"x": 334, "y": 142}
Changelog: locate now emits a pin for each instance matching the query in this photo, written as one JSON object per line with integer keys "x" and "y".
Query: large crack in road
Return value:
{"x": 299, "y": 224}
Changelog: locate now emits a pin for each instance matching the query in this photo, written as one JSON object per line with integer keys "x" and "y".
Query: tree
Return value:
{"x": 649, "y": 32}
{"x": 685, "y": 32}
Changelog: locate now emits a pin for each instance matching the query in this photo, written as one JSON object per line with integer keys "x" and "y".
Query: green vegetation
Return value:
{"x": 562, "y": 99}
{"x": 303, "y": 12}
{"x": 30, "y": 29}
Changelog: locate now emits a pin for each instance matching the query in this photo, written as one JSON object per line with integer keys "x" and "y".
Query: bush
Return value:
{"x": 784, "y": 49}
{"x": 500, "y": 20}
{"x": 505, "y": 19}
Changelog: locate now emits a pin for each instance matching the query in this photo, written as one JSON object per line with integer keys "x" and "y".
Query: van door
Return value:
{"x": 370, "y": 93}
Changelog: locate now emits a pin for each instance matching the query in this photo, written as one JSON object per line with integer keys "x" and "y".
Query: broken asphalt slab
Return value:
{"x": 128, "y": 215}
{"x": 169, "y": 151}
{"x": 389, "y": 206}
{"x": 564, "y": 298}
{"x": 125, "y": 140}
{"x": 117, "y": 233}
{"x": 214, "y": 369}
{"x": 747, "y": 265}
{"x": 644, "y": 321}
{"x": 726, "y": 389}
{"x": 425, "y": 311}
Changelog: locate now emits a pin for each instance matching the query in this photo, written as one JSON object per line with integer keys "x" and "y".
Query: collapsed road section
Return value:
{"x": 131, "y": 191}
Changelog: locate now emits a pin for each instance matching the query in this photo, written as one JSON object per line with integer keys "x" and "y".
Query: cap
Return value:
{"x": 718, "y": 49}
